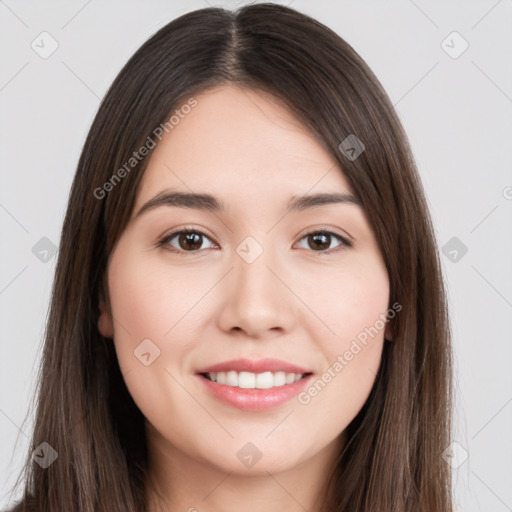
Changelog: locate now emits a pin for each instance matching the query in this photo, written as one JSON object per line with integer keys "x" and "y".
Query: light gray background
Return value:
{"x": 456, "y": 111}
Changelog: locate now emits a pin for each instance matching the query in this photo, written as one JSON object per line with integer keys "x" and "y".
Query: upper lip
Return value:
{"x": 259, "y": 366}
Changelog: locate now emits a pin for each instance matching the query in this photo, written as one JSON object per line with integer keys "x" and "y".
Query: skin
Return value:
{"x": 209, "y": 305}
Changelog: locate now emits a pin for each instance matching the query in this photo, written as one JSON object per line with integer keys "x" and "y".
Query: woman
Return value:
{"x": 248, "y": 309}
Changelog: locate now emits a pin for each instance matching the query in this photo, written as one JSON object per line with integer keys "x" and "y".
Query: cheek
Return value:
{"x": 150, "y": 305}
{"x": 148, "y": 298}
{"x": 346, "y": 300}
{"x": 353, "y": 303}
{"x": 149, "y": 302}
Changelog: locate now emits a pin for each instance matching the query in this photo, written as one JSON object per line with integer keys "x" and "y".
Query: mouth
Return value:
{"x": 249, "y": 380}
{"x": 252, "y": 385}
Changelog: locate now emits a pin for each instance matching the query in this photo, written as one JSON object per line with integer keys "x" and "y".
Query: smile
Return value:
{"x": 249, "y": 380}
{"x": 254, "y": 385}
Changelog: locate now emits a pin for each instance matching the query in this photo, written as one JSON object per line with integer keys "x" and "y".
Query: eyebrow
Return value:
{"x": 208, "y": 202}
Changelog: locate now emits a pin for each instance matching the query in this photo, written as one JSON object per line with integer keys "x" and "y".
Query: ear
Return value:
{"x": 105, "y": 324}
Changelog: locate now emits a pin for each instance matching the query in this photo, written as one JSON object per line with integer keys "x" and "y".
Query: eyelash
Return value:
{"x": 345, "y": 243}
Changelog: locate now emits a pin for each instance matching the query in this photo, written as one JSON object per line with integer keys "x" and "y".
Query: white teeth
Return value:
{"x": 264, "y": 380}
{"x": 279, "y": 379}
{"x": 232, "y": 379}
{"x": 248, "y": 380}
{"x": 290, "y": 377}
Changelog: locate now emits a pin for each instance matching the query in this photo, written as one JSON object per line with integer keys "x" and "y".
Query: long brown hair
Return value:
{"x": 392, "y": 459}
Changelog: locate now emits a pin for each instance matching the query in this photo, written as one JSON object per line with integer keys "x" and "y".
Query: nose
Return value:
{"x": 257, "y": 298}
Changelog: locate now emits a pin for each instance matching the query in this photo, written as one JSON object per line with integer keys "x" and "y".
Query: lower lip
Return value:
{"x": 255, "y": 399}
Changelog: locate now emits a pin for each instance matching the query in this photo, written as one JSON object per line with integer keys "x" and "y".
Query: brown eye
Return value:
{"x": 186, "y": 240}
{"x": 191, "y": 241}
{"x": 320, "y": 241}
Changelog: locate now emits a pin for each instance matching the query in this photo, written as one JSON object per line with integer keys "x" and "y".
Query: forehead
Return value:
{"x": 240, "y": 144}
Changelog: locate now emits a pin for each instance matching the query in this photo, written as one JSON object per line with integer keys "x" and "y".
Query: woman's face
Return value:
{"x": 253, "y": 280}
